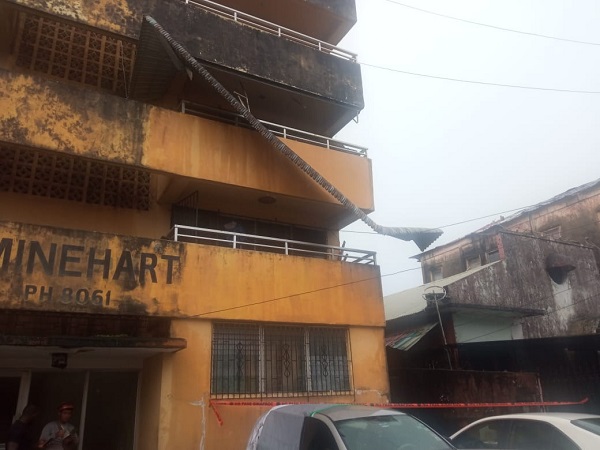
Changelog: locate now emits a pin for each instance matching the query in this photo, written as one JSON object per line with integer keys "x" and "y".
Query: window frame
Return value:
{"x": 554, "y": 233}
{"x": 434, "y": 271}
{"x": 468, "y": 262}
{"x": 253, "y": 357}
{"x": 549, "y": 429}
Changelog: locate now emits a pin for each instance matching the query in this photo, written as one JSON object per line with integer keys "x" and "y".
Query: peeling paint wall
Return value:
{"x": 117, "y": 16}
{"x": 175, "y": 388}
{"x": 151, "y": 224}
{"x": 263, "y": 54}
{"x": 522, "y": 281}
{"x": 124, "y": 16}
{"x": 46, "y": 114}
{"x": 190, "y": 389}
{"x": 578, "y": 217}
{"x": 51, "y": 269}
{"x": 51, "y": 115}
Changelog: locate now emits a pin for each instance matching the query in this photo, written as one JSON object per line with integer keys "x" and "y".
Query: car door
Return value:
{"x": 493, "y": 434}
{"x": 535, "y": 435}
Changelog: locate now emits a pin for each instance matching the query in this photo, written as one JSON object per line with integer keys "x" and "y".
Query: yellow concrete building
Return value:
{"x": 160, "y": 260}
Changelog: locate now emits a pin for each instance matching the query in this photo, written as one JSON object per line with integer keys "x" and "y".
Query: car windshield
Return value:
{"x": 390, "y": 432}
{"x": 591, "y": 425}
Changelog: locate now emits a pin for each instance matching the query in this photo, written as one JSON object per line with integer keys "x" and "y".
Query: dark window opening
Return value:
{"x": 211, "y": 220}
{"x": 558, "y": 268}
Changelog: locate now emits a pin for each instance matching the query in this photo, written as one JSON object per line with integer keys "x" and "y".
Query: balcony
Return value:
{"x": 207, "y": 236}
{"x": 284, "y": 78}
{"x": 277, "y": 129}
{"x": 47, "y": 268}
{"x": 325, "y": 20}
{"x": 230, "y": 166}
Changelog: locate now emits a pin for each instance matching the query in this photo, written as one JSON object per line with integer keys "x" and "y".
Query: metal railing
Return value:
{"x": 279, "y": 130}
{"x": 208, "y": 236}
{"x": 272, "y": 28}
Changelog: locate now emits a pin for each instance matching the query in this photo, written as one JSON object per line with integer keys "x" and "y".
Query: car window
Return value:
{"x": 591, "y": 425}
{"x": 316, "y": 435}
{"x": 490, "y": 434}
{"x": 389, "y": 432}
{"x": 536, "y": 435}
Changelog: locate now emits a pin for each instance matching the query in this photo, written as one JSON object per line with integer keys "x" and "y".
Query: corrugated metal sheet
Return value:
{"x": 411, "y": 301}
{"x": 407, "y": 338}
{"x": 155, "y": 66}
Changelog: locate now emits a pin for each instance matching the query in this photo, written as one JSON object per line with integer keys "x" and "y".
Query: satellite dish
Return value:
{"x": 435, "y": 293}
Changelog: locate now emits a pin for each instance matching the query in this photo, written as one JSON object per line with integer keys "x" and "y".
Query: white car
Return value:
{"x": 341, "y": 427}
{"x": 532, "y": 431}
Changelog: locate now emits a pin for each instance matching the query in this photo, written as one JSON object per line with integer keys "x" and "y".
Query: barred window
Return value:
{"x": 269, "y": 361}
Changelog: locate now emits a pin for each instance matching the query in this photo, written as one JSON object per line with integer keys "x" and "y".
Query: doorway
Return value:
{"x": 105, "y": 404}
{"x": 9, "y": 393}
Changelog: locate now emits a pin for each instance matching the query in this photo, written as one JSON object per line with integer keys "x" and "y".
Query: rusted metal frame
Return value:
{"x": 423, "y": 237}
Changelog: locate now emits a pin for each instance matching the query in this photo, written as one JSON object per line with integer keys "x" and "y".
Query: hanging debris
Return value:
{"x": 423, "y": 237}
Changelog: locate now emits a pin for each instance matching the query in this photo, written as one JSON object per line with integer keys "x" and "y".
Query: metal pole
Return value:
{"x": 443, "y": 332}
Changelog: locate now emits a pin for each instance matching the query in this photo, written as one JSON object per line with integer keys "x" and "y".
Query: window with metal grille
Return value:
{"x": 270, "y": 361}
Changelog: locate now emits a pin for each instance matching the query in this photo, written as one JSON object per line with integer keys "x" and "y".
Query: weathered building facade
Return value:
{"x": 521, "y": 295}
{"x": 573, "y": 216}
{"x": 156, "y": 253}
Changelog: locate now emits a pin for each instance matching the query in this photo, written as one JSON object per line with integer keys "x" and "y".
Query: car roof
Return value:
{"x": 333, "y": 411}
{"x": 344, "y": 412}
{"x": 288, "y": 421}
{"x": 558, "y": 416}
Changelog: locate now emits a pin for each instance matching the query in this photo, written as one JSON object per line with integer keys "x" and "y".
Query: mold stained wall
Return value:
{"x": 173, "y": 279}
{"x": 84, "y": 122}
{"x": 175, "y": 388}
{"x": 521, "y": 281}
{"x": 187, "y": 421}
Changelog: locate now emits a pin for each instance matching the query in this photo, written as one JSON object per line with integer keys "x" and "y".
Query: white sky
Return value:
{"x": 443, "y": 151}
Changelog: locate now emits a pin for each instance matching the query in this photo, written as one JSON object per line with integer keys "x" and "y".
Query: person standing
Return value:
{"x": 19, "y": 437}
{"x": 60, "y": 434}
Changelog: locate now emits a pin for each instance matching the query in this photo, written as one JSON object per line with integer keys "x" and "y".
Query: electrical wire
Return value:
{"x": 472, "y": 22}
{"x": 547, "y": 314}
{"x": 368, "y": 279}
{"x": 531, "y": 233}
{"x": 522, "y": 208}
{"x": 485, "y": 83}
{"x": 456, "y": 223}
{"x": 295, "y": 294}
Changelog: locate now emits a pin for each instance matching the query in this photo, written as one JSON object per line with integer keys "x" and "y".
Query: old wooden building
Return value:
{"x": 517, "y": 299}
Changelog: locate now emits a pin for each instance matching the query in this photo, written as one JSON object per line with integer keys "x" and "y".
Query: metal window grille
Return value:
{"x": 328, "y": 358}
{"x": 277, "y": 361}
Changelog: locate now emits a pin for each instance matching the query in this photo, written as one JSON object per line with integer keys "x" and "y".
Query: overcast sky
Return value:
{"x": 445, "y": 151}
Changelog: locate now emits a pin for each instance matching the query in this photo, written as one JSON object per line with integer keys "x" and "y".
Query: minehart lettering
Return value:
{"x": 65, "y": 260}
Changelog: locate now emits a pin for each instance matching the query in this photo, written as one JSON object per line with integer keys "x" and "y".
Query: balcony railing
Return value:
{"x": 279, "y": 130}
{"x": 272, "y": 28}
{"x": 208, "y": 236}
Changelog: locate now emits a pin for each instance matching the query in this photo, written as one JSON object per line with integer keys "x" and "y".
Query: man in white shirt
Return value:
{"x": 60, "y": 434}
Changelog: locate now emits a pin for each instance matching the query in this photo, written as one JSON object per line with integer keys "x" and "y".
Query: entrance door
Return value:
{"x": 105, "y": 405}
{"x": 110, "y": 411}
{"x": 9, "y": 395}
